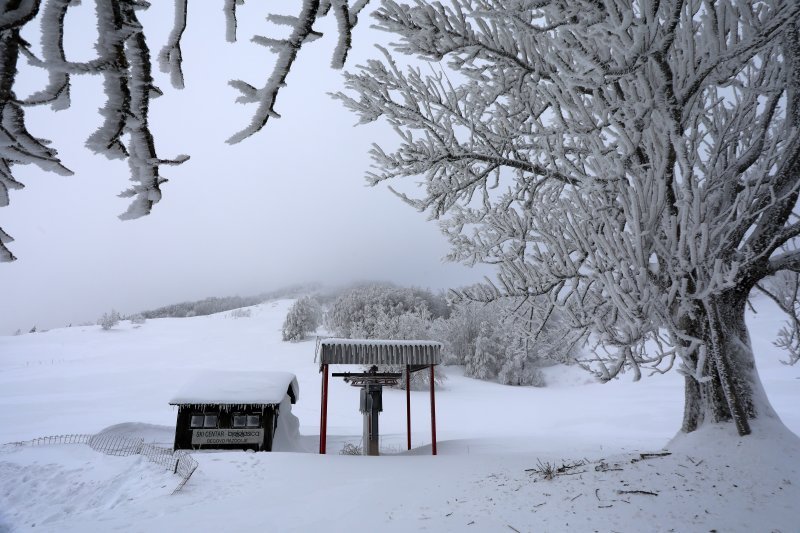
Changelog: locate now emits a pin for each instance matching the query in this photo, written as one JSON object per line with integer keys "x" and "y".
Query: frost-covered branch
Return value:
{"x": 129, "y": 87}
{"x": 57, "y": 91}
{"x": 287, "y": 49}
{"x": 17, "y": 145}
{"x": 786, "y": 261}
{"x": 230, "y": 19}
{"x": 16, "y": 13}
{"x": 784, "y": 290}
{"x": 170, "y": 59}
{"x": 123, "y": 60}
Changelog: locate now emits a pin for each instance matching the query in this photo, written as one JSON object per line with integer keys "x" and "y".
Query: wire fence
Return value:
{"x": 115, "y": 444}
{"x": 178, "y": 462}
{"x": 53, "y": 439}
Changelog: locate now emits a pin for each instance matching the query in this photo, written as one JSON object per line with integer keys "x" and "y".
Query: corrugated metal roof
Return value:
{"x": 380, "y": 352}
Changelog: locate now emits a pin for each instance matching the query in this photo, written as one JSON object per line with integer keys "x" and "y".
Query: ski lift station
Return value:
{"x": 240, "y": 410}
{"x": 233, "y": 410}
{"x": 411, "y": 356}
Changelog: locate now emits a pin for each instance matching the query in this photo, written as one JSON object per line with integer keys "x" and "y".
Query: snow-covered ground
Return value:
{"x": 85, "y": 380}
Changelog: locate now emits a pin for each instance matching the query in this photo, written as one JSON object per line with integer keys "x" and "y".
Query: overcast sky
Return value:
{"x": 288, "y": 205}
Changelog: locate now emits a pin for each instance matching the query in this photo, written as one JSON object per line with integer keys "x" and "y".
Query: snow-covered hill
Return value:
{"x": 85, "y": 380}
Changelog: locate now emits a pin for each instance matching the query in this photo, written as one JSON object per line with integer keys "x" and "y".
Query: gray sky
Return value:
{"x": 287, "y": 205}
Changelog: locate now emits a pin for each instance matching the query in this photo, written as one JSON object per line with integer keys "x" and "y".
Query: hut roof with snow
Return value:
{"x": 238, "y": 388}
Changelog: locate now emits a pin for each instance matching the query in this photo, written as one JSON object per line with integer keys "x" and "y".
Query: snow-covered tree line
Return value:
{"x": 636, "y": 164}
{"x": 123, "y": 59}
{"x": 206, "y": 306}
{"x": 489, "y": 339}
{"x": 493, "y": 340}
{"x": 382, "y": 311}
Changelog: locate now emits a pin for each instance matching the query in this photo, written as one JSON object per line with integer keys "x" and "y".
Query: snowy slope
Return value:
{"x": 85, "y": 380}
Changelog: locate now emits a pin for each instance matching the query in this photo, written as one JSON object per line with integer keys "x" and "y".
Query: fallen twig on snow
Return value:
{"x": 647, "y": 492}
{"x": 645, "y": 456}
{"x": 652, "y": 455}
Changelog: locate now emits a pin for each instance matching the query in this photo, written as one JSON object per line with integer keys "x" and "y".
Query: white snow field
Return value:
{"x": 85, "y": 380}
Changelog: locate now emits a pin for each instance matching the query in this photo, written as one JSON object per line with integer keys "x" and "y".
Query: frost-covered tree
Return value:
{"x": 303, "y": 317}
{"x": 358, "y": 311}
{"x": 414, "y": 324}
{"x": 460, "y": 331}
{"x": 123, "y": 59}
{"x": 518, "y": 369}
{"x": 382, "y": 311}
{"x": 485, "y": 361}
{"x": 109, "y": 320}
{"x": 493, "y": 342}
{"x": 635, "y": 162}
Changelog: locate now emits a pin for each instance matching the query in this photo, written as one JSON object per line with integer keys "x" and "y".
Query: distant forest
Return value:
{"x": 211, "y": 305}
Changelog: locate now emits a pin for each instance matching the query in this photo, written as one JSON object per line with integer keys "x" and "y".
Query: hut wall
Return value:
{"x": 225, "y": 414}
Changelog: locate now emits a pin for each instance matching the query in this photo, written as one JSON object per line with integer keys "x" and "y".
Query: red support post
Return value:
{"x": 433, "y": 416}
{"x": 408, "y": 405}
{"x": 323, "y": 422}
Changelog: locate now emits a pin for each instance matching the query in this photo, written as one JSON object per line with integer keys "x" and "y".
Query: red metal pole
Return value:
{"x": 433, "y": 416}
{"x": 408, "y": 405}
{"x": 323, "y": 423}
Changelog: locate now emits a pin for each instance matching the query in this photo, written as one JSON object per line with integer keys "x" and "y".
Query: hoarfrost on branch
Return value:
{"x": 123, "y": 59}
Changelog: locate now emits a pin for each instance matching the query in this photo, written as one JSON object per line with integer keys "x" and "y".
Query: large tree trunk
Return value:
{"x": 733, "y": 390}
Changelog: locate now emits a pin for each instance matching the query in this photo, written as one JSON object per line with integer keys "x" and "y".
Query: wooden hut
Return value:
{"x": 233, "y": 410}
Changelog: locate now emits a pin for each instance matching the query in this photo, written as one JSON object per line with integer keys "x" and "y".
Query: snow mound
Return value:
{"x": 710, "y": 480}
{"x": 45, "y": 485}
{"x": 771, "y": 453}
{"x": 287, "y": 434}
{"x": 149, "y": 433}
